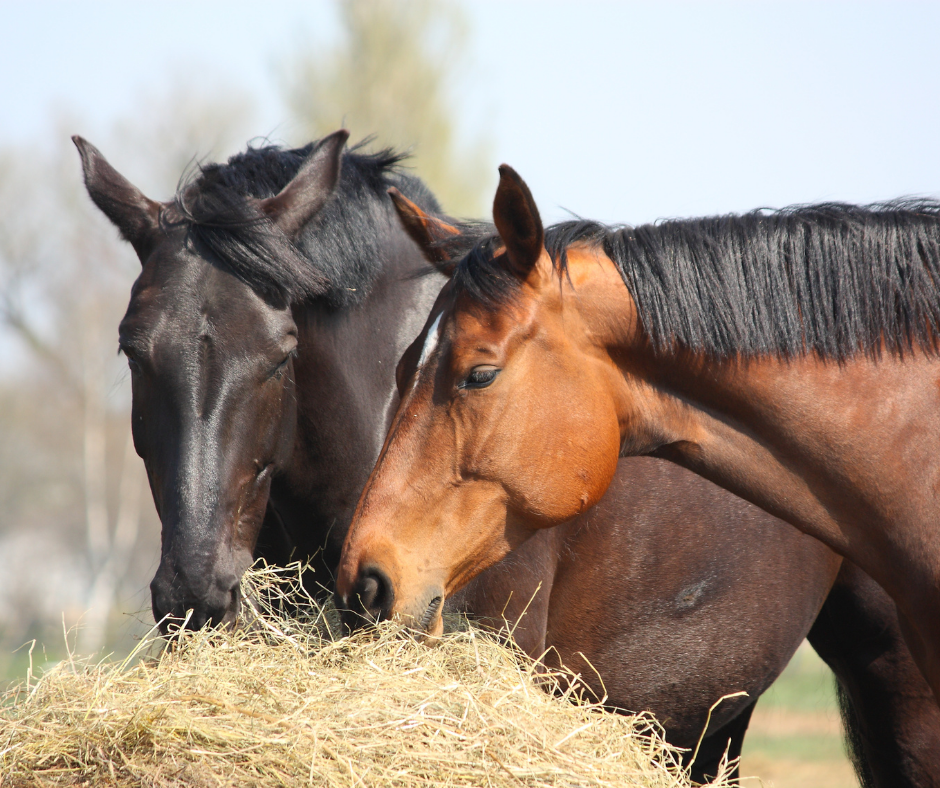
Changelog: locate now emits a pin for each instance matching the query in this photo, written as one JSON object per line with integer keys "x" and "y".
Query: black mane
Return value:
{"x": 832, "y": 279}
{"x": 339, "y": 252}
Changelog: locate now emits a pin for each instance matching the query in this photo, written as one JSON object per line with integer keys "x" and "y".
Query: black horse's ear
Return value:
{"x": 135, "y": 215}
{"x": 517, "y": 221}
{"x": 310, "y": 188}
{"x": 431, "y": 233}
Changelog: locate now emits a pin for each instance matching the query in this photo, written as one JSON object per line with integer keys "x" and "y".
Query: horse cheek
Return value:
{"x": 592, "y": 436}
{"x": 598, "y": 466}
{"x": 571, "y": 470}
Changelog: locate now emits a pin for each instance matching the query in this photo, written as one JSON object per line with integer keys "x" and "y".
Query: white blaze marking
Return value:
{"x": 434, "y": 335}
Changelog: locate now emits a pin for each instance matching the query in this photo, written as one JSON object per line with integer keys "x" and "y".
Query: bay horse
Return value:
{"x": 789, "y": 357}
{"x": 277, "y": 293}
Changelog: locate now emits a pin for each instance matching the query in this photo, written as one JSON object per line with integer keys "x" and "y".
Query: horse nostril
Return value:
{"x": 373, "y": 593}
{"x": 234, "y": 595}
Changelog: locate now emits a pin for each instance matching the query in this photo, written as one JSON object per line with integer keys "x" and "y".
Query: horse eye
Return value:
{"x": 480, "y": 377}
{"x": 132, "y": 362}
{"x": 279, "y": 370}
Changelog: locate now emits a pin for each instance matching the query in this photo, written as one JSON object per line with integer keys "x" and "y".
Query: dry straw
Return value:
{"x": 285, "y": 702}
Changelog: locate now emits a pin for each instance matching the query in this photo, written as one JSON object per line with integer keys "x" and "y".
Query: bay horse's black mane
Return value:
{"x": 831, "y": 279}
{"x": 339, "y": 253}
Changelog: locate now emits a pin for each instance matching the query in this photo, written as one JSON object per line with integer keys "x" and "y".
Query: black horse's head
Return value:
{"x": 210, "y": 339}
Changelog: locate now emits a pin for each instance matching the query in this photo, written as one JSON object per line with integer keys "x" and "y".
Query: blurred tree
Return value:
{"x": 391, "y": 76}
{"x": 56, "y": 297}
{"x": 181, "y": 126}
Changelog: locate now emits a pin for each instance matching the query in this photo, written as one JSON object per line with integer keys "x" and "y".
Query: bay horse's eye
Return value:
{"x": 480, "y": 377}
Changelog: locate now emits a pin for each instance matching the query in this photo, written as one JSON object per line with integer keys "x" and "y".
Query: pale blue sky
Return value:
{"x": 621, "y": 112}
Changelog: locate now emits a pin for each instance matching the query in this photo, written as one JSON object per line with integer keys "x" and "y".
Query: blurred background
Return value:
{"x": 613, "y": 111}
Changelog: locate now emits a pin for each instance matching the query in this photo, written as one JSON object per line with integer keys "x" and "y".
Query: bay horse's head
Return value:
{"x": 210, "y": 338}
{"x": 507, "y": 421}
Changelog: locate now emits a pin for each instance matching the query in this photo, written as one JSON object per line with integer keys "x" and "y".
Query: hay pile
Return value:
{"x": 286, "y": 703}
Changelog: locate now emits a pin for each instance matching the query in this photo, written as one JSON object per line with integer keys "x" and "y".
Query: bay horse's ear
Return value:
{"x": 135, "y": 215}
{"x": 517, "y": 221}
{"x": 310, "y": 188}
{"x": 431, "y": 233}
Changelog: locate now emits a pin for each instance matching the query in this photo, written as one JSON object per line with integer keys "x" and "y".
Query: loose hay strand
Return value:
{"x": 283, "y": 701}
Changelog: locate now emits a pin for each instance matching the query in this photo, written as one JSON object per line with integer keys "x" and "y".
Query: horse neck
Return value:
{"x": 812, "y": 441}
{"x": 594, "y": 288}
{"x": 669, "y": 396}
{"x": 346, "y": 391}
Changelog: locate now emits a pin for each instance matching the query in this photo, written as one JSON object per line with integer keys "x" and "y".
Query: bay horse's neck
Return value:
{"x": 829, "y": 446}
{"x": 843, "y": 449}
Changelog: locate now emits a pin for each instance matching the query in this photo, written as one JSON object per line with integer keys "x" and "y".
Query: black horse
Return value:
{"x": 277, "y": 294}
{"x": 275, "y": 297}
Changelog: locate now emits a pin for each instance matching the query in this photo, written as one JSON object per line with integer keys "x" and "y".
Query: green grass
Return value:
{"x": 795, "y": 738}
{"x": 815, "y": 747}
{"x": 806, "y": 684}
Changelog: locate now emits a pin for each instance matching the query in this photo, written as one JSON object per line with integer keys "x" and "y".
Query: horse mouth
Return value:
{"x": 431, "y": 614}
{"x": 173, "y": 626}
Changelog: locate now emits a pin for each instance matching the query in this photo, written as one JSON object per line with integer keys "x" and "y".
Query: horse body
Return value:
{"x": 656, "y": 609}
{"x": 850, "y": 459}
{"x": 261, "y": 399}
{"x": 645, "y": 593}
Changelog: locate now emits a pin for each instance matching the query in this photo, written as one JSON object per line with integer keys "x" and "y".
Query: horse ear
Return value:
{"x": 311, "y": 187}
{"x": 517, "y": 221}
{"x": 136, "y": 216}
{"x": 429, "y": 232}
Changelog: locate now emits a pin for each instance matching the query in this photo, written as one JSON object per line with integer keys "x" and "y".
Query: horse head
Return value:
{"x": 484, "y": 449}
{"x": 211, "y": 347}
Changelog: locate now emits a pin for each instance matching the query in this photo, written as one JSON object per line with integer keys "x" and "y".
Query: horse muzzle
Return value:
{"x": 369, "y": 601}
{"x": 215, "y": 600}
{"x": 373, "y": 598}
